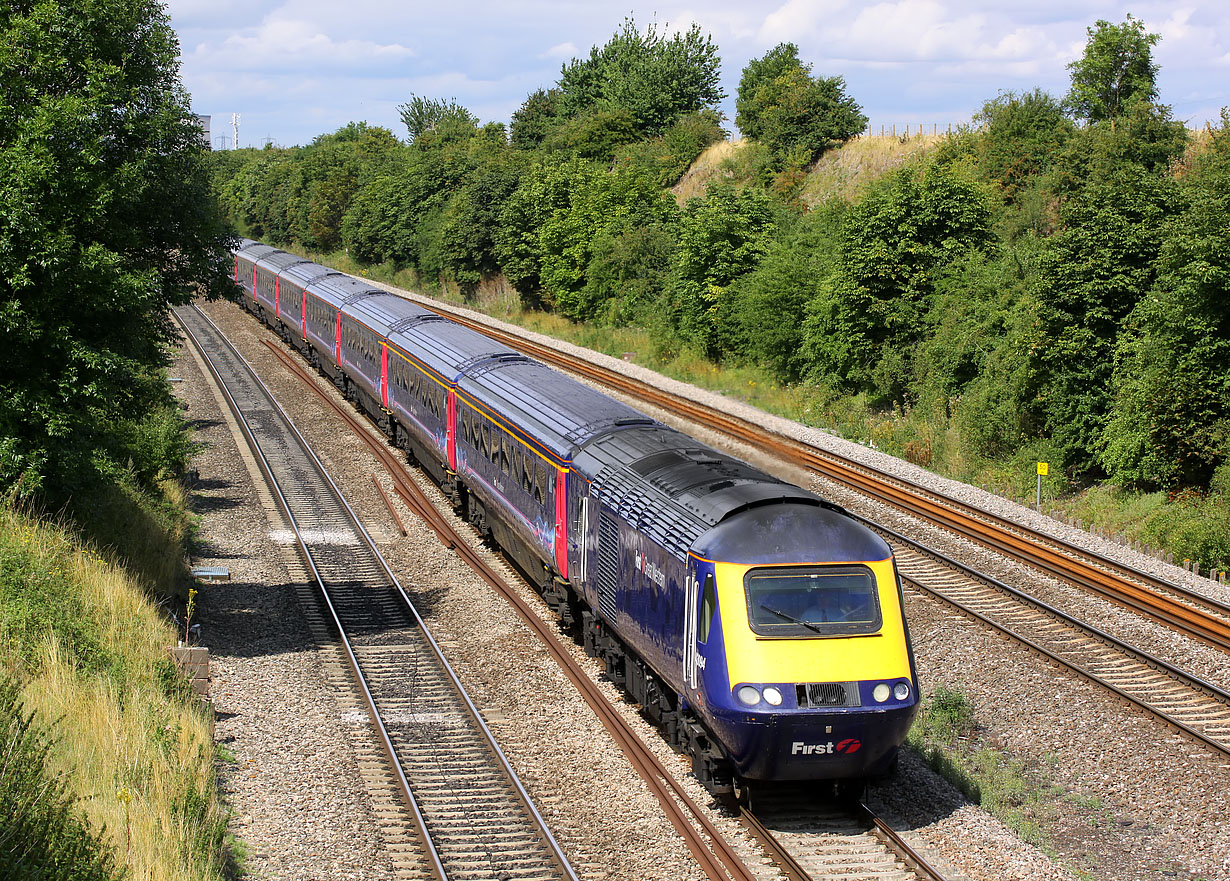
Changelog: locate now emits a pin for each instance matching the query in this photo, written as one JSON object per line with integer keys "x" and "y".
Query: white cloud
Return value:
{"x": 294, "y": 44}
{"x": 561, "y": 50}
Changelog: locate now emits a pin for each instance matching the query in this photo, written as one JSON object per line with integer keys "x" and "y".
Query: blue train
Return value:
{"x": 757, "y": 624}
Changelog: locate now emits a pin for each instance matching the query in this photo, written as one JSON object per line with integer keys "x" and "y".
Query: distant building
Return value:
{"x": 203, "y": 122}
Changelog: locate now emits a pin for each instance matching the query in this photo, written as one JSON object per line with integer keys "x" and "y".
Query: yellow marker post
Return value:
{"x": 1044, "y": 468}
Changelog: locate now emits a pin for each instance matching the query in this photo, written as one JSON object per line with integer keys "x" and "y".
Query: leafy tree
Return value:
{"x": 1170, "y": 423}
{"x": 446, "y": 118}
{"x": 654, "y": 78}
{"x": 331, "y": 171}
{"x": 545, "y": 189}
{"x": 668, "y": 156}
{"x": 796, "y": 115}
{"x": 1091, "y": 276}
{"x": 614, "y": 203}
{"x": 594, "y": 134}
{"x": 766, "y": 308}
{"x": 534, "y": 120}
{"x": 867, "y": 320}
{"x": 721, "y": 237}
{"x": 1022, "y": 133}
{"x": 472, "y": 215}
{"x": 106, "y": 220}
{"x": 1115, "y": 72}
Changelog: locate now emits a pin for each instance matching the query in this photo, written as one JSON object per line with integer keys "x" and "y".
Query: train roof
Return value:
{"x": 280, "y": 260}
{"x": 256, "y": 251}
{"x": 555, "y": 410}
{"x": 305, "y": 273}
{"x": 559, "y": 412}
{"x": 791, "y": 534}
{"x": 450, "y": 349}
{"x": 677, "y": 488}
{"x": 386, "y": 312}
{"x": 341, "y": 288}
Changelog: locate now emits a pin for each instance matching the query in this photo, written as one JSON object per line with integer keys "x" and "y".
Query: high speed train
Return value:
{"x": 759, "y": 625}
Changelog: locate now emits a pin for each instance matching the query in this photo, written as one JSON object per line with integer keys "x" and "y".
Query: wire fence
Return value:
{"x": 911, "y": 129}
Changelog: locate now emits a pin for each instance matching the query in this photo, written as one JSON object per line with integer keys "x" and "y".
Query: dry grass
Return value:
{"x": 136, "y": 751}
{"x": 709, "y": 165}
{"x": 844, "y": 172}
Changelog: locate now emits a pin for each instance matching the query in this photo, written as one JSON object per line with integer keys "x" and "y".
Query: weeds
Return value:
{"x": 947, "y": 735}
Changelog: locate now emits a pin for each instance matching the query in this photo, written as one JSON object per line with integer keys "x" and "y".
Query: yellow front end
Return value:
{"x": 754, "y": 658}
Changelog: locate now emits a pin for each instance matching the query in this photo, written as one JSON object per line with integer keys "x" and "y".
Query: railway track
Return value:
{"x": 803, "y": 842}
{"x": 1180, "y": 608}
{"x": 1190, "y": 705}
{"x": 473, "y": 817}
{"x": 840, "y": 840}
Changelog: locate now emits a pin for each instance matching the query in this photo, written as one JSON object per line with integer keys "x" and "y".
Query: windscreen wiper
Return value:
{"x": 791, "y": 618}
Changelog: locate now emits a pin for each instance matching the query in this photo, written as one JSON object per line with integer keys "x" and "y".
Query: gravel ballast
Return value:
{"x": 303, "y": 810}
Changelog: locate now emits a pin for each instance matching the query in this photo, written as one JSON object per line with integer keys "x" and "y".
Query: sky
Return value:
{"x": 296, "y": 69}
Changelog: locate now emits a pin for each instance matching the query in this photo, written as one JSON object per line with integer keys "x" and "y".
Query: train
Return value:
{"x": 760, "y": 626}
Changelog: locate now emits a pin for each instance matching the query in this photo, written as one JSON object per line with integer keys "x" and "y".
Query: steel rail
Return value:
{"x": 404, "y": 786}
{"x": 899, "y": 845}
{"x": 1102, "y": 636}
{"x": 435, "y": 865}
{"x": 709, "y": 848}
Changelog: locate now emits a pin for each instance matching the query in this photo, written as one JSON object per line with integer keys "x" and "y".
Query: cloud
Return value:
{"x": 294, "y": 44}
{"x": 561, "y": 50}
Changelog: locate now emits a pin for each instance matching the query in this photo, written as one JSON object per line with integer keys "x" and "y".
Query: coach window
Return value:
{"x": 540, "y": 481}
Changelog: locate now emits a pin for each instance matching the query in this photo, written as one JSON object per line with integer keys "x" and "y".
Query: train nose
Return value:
{"x": 821, "y": 746}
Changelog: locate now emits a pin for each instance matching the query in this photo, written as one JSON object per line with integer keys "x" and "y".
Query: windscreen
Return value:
{"x": 812, "y": 601}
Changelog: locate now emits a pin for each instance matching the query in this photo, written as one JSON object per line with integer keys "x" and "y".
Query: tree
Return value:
{"x": 654, "y": 78}
{"x": 868, "y": 319}
{"x": 106, "y": 220}
{"x": 794, "y": 114}
{"x": 1116, "y": 71}
{"x": 721, "y": 237}
{"x": 533, "y": 120}
{"x": 1170, "y": 423}
{"x": 1091, "y": 275}
{"x": 446, "y": 118}
{"x": 1022, "y": 133}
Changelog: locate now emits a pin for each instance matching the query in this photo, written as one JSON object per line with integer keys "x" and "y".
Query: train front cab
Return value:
{"x": 806, "y": 669}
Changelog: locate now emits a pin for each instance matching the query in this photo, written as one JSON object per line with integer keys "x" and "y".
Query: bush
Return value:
{"x": 666, "y": 158}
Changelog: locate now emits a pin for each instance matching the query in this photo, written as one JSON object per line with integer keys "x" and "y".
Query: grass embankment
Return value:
{"x": 117, "y": 727}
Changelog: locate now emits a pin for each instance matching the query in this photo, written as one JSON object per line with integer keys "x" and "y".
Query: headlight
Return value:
{"x": 901, "y": 690}
{"x": 748, "y": 695}
{"x": 881, "y": 692}
{"x": 773, "y": 696}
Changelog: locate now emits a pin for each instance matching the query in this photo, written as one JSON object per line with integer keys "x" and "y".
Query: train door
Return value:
{"x": 384, "y": 376}
{"x": 561, "y": 523}
{"x": 700, "y": 607}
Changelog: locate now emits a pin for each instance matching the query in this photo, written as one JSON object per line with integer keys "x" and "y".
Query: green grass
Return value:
{"x": 947, "y": 735}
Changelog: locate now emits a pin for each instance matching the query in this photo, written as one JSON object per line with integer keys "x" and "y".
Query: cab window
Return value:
{"x": 812, "y": 601}
{"x": 708, "y": 604}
